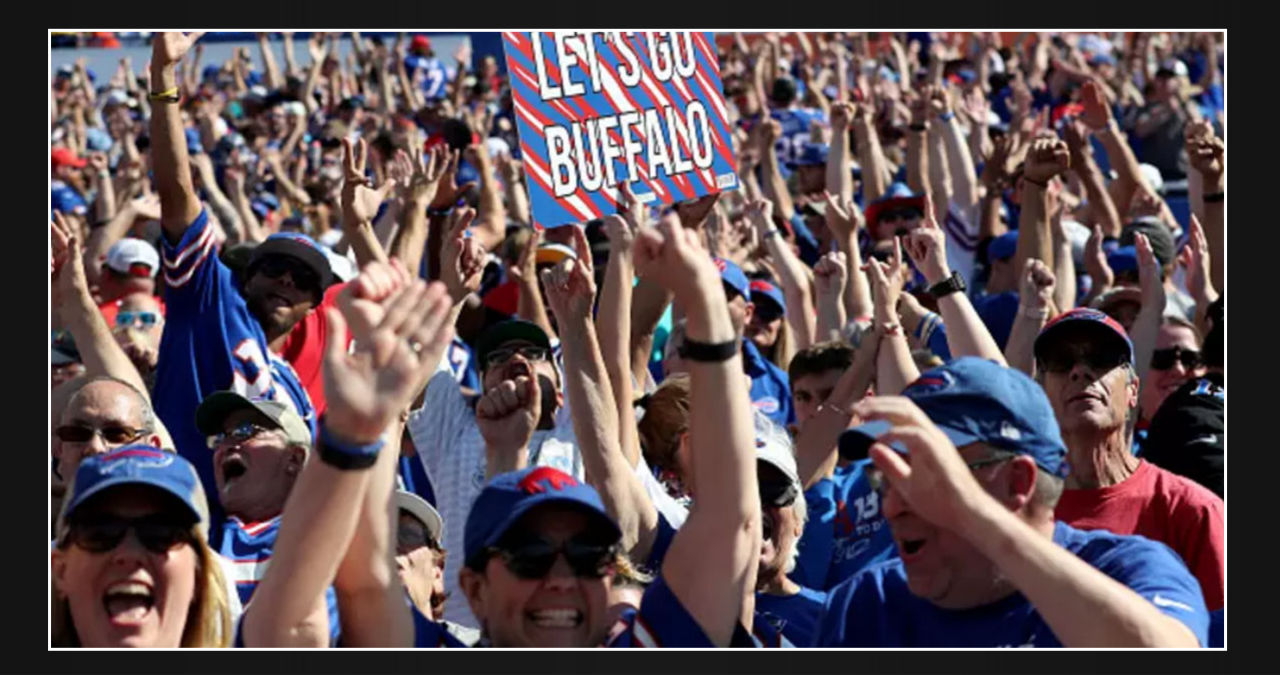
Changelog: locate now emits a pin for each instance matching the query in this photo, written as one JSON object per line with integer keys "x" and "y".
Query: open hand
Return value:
{"x": 461, "y": 256}
{"x": 169, "y": 47}
{"x": 360, "y": 202}
{"x": 1195, "y": 259}
{"x": 1150, "y": 276}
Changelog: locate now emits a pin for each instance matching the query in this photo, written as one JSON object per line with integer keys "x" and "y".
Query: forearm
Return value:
{"x": 917, "y": 162}
{"x": 1103, "y": 208}
{"x": 272, "y": 74}
{"x": 385, "y": 227}
{"x": 411, "y": 237}
{"x": 1019, "y": 352}
{"x": 290, "y": 65}
{"x": 1215, "y": 233}
{"x": 99, "y": 351}
{"x": 309, "y": 87}
{"x": 1121, "y": 158}
{"x": 967, "y": 335}
{"x": 363, "y": 241}
{"x": 253, "y": 230}
{"x": 839, "y": 177}
{"x": 819, "y": 436}
{"x": 105, "y": 204}
{"x": 963, "y": 174}
{"x": 101, "y": 239}
{"x": 290, "y": 188}
{"x": 649, "y": 301}
{"x": 990, "y": 225}
{"x": 857, "y": 290}
{"x": 1064, "y": 268}
{"x": 775, "y": 188}
{"x": 613, "y": 325}
{"x": 939, "y": 174}
{"x": 1082, "y": 606}
{"x": 224, "y": 210}
{"x": 491, "y": 215}
{"x": 831, "y": 318}
{"x": 1034, "y": 238}
{"x": 179, "y": 205}
{"x": 795, "y": 288}
{"x": 895, "y": 368}
{"x": 517, "y": 202}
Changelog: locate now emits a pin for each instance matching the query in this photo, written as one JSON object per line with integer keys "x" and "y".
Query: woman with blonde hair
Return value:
{"x": 131, "y": 565}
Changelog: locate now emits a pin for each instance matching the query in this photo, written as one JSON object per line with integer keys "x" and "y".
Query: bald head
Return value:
{"x": 116, "y": 412}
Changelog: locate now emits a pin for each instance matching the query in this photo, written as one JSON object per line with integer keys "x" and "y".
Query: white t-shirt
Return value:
{"x": 447, "y": 439}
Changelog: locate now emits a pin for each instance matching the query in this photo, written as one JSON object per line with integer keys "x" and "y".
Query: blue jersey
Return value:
{"x": 435, "y": 74}
{"x": 770, "y": 387}
{"x": 462, "y": 363}
{"x": 248, "y": 546}
{"x": 661, "y": 621}
{"x": 211, "y": 342}
{"x": 796, "y": 616}
{"x": 876, "y": 608}
{"x": 796, "y": 123}
{"x": 848, "y": 535}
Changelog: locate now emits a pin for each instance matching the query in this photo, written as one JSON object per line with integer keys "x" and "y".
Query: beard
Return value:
{"x": 273, "y": 324}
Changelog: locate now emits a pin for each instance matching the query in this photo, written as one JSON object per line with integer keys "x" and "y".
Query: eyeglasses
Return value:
{"x": 274, "y": 267}
{"x": 237, "y": 435}
{"x": 533, "y": 558}
{"x": 112, "y": 434}
{"x": 146, "y": 319}
{"x": 158, "y": 534}
{"x": 875, "y": 477}
{"x": 1163, "y": 359}
{"x": 503, "y": 354}
{"x": 1062, "y": 358}
{"x": 779, "y": 493}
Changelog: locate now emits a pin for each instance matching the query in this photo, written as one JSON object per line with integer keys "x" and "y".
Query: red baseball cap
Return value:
{"x": 65, "y": 157}
{"x": 420, "y": 43}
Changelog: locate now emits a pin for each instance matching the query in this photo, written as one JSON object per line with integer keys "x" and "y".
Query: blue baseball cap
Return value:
{"x": 67, "y": 200}
{"x": 1067, "y": 325}
{"x": 734, "y": 278}
{"x": 295, "y": 245}
{"x": 761, "y": 289}
{"x": 1003, "y": 247}
{"x": 509, "y": 496}
{"x": 137, "y": 464}
{"x": 193, "y": 141}
{"x": 1123, "y": 259}
{"x": 896, "y": 196}
{"x": 812, "y": 154}
{"x": 264, "y": 202}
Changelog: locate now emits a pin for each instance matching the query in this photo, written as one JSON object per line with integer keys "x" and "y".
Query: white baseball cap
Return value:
{"x": 773, "y": 445}
{"x": 128, "y": 252}
{"x": 1152, "y": 176}
{"x": 423, "y": 511}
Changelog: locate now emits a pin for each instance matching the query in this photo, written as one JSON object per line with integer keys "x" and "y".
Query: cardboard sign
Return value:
{"x": 595, "y": 109}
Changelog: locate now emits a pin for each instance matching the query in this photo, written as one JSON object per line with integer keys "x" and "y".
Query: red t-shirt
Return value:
{"x": 303, "y": 348}
{"x": 1162, "y": 506}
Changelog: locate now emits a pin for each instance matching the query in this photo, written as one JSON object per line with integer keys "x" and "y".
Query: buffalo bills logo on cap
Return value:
{"x": 141, "y": 456}
{"x": 931, "y": 381}
{"x": 766, "y": 405}
{"x": 720, "y": 264}
{"x": 759, "y": 285}
{"x": 542, "y": 478}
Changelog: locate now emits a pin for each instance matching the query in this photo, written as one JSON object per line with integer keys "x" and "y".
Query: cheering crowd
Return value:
{"x": 946, "y": 370}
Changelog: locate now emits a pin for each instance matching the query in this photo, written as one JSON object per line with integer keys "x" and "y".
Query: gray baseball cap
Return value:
{"x": 218, "y": 406}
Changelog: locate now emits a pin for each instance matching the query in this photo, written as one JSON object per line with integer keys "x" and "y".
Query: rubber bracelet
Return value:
{"x": 439, "y": 212}
{"x": 169, "y": 95}
{"x": 344, "y": 456}
{"x": 775, "y": 232}
{"x": 704, "y": 352}
{"x": 947, "y": 116}
{"x": 1033, "y": 313}
{"x": 1215, "y": 197}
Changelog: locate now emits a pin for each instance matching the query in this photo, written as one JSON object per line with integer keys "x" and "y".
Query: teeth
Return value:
{"x": 556, "y": 618}
{"x": 129, "y": 588}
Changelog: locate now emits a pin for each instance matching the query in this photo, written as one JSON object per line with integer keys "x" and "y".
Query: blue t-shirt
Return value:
{"x": 770, "y": 387}
{"x": 849, "y": 533}
{"x": 211, "y": 342}
{"x": 997, "y": 312}
{"x": 795, "y": 615}
{"x": 248, "y": 546}
{"x": 877, "y": 609}
{"x": 805, "y": 241}
{"x": 435, "y": 75}
{"x": 796, "y": 123}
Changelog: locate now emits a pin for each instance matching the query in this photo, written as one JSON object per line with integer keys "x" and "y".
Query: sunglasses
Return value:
{"x": 146, "y": 319}
{"x": 157, "y": 533}
{"x": 898, "y": 214}
{"x": 237, "y": 435}
{"x": 1062, "y": 359}
{"x": 274, "y": 267}
{"x": 779, "y": 493}
{"x": 533, "y": 558}
{"x": 113, "y": 434}
{"x": 767, "y": 312}
{"x": 1164, "y": 359}
{"x": 503, "y": 354}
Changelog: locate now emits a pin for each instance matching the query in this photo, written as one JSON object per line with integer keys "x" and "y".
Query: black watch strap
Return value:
{"x": 708, "y": 352}
{"x": 952, "y": 284}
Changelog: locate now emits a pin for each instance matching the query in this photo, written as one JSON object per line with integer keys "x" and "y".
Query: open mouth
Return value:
{"x": 911, "y": 547}
{"x": 517, "y": 369}
{"x": 234, "y": 467}
{"x": 555, "y": 618}
{"x": 128, "y": 601}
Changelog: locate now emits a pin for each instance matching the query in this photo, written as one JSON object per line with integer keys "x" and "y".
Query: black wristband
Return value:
{"x": 439, "y": 212}
{"x": 343, "y": 456}
{"x": 919, "y": 127}
{"x": 1215, "y": 197}
{"x": 952, "y": 284}
{"x": 704, "y": 352}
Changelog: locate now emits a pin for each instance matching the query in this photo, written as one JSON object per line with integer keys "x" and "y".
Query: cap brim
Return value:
{"x": 506, "y": 332}
{"x": 599, "y": 519}
{"x": 1065, "y": 327}
{"x": 422, "y": 510}
{"x": 128, "y": 479}
{"x": 548, "y": 255}
{"x": 217, "y": 407}
{"x": 874, "y": 210}
{"x": 855, "y": 443}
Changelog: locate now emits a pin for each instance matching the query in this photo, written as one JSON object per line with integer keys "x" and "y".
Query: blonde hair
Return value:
{"x": 208, "y": 618}
{"x": 784, "y": 348}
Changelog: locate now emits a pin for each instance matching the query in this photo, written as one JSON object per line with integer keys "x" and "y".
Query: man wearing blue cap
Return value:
{"x": 969, "y": 487}
{"x": 770, "y": 389}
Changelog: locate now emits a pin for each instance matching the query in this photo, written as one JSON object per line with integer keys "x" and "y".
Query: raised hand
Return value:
{"x": 843, "y": 219}
{"x": 148, "y": 206}
{"x": 673, "y": 257}
{"x": 1046, "y": 159}
{"x": 995, "y": 172}
{"x": 447, "y": 189}
{"x": 1150, "y": 276}
{"x": 571, "y": 289}
{"x": 317, "y": 48}
{"x": 360, "y": 202}
{"x": 632, "y": 210}
{"x": 169, "y": 47}
{"x": 842, "y": 114}
{"x": 66, "y": 261}
{"x": 760, "y": 213}
{"x": 694, "y": 213}
{"x": 1076, "y": 133}
{"x": 361, "y": 300}
{"x": 1037, "y": 285}
{"x": 976, "y": 107}
{"x": 508, "y": 413}
{"x": 1206, "y": 155}
{"x": 526, "y": 267}
{"x": 1095, "y": 261}
{"x": 830, "y": 275}
{"x": 927, "y": 246}
{"x": 1097, "y": 114}
{"x": 887, "y": 281}
{"x": 1195, "y": 259}
{"x": 368, "y": 389}
{"x": 939, "y": 101}
{"x": 461, "y": 256}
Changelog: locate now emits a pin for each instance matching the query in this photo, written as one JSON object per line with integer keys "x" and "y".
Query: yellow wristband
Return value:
{"x": 168, "y": 95}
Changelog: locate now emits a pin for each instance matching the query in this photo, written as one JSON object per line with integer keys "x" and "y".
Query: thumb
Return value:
{"x": 335, "y": 350}
{"x": 890, "y": 462}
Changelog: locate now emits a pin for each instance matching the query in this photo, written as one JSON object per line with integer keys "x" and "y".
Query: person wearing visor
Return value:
{"x": 1085, "y": 361}
{"x": 770, "y": 390}
{"x": 768, "y": 327}
{"x": 896, "y": 212}
{"x": 970, "y": 464}
{"x": 131, "y": 566}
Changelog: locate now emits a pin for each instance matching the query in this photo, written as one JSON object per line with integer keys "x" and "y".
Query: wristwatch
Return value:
{"x": 951, "y": 284}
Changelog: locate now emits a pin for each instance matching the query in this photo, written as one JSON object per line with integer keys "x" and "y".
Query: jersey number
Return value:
{"x": 868, "y": 507}
{"x": 250, "y": 377}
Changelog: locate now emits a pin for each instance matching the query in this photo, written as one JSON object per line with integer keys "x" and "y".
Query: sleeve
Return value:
{"x": 805, "y": 241}
{"x": 818, "y": 538}
{"x": 663, "y": 502}
{"x": 1152, "y": 570}
{"x": 194, "y": 276}
{"x": 433, "y": 426}
{"x": 1205, "y": 555}
{"x": 661, "y": 542}
{"x": 428, "y": 634}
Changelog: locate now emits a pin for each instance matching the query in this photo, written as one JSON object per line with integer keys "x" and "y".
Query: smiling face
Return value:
{"x": 254, "y": 475}
{"x": 128, "y": 596}
{"x": 1165, "y": 382}
{"x": 557, "y": 610}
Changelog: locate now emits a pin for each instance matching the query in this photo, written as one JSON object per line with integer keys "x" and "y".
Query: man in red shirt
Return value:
{"x": 1085, "y": 362}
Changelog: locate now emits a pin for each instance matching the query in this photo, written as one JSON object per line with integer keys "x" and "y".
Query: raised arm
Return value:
{"x": 491, "y": 215}
{"x": 870, "y": 154}
{"x": 410, "y": 240}
{"x": 895, "y": 368}
{"x": 1035, "y": 302}
{"x": 317, "y": 49}
{"x": 290, "y": 65}
{"x": 1194, "y": 258}
{"x": 818, "y": 439}
{"x": 570, "y": 292}
{"x": 830, "y": 277}
{"x": 517, "y": 196}
{"x": 967, "y": 335}
{"x": 917, "y": 147}
{"x": 179, "y": 204}
{"x": 1207, "y": 155}
{"x": 844, "y": 219}
{"x": 839, "y": 178}
{"x": 613, "y": 317}
{"x": 1146, "y": 326}
{"x": 1045, "y": 160}
{"x": 102, "y": 238}
{"x": 961, "y": 172}
{"x": 711, "y": 564}
{"x": 1097, "y": 115}
{"x": 794, "y": 275}
{"x": 1082, "y": 606}
{"x": 272, "y": 71}
{"x": 649, "y": 302}
{"x": 1101, "y": 209}
{"x": 365, "y": 392}
{"x": 218, "y": 201}
{"x": 775, "y": 188}
{"x": 360, "y": 202}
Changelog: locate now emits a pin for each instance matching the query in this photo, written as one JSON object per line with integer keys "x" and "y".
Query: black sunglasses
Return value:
{"x": 779, "y": 493}
{"x": 899, "y": 214}
{"x": 1163, "y": 359}
{"x": 274, "y": 267}
{"x": 1062, "y": 358}
{"x": 159, "y": 534}
{"x": 534, "y": 557}
{"x": 502, "y": 354}
{"x": 113, "y": 433}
